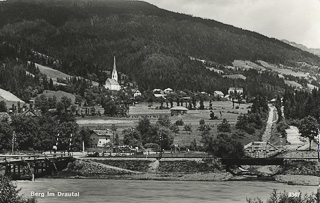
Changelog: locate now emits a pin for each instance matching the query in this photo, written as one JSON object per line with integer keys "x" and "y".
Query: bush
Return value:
{"x": 187, "y": 127}
{"x": 179, "y": 122}
{"x": 174, "y": 128}
{"x": 224, "y": 126}
{"x": 153, "y": 146}
{"x": 202, "y": 122}
{"x": 284, "y": 197}
{"x": 204, "y": 127}
{"x": 9, "y": 192}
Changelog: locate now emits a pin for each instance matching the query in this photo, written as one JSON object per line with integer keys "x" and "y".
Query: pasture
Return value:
{"x": 183, "y": 138}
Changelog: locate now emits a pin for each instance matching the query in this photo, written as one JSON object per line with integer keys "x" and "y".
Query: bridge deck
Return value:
{"x": 253, "y": 161}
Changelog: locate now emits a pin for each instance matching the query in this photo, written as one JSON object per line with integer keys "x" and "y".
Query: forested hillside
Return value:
{"x": 152, "y": 45}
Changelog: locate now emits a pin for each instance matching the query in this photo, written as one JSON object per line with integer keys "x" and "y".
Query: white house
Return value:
{"x": 168, "y": 91}
{"x": 100, "y": 138}
{"x": 137, "y": 93}
{"x": 232, "y": 90}
{"x": 112, "y": 83}
{"x": 218, "y": 94}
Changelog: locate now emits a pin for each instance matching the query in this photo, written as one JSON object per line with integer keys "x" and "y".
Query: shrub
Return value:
{"x": 9, "y": 192}
{"x": 224, "y": 126}
{"x": 187, "y": 127}
{"x": 153, "y": 146}
{"x": 180, "y": 122}
{"x": 284, "y": 197}
{"x": 202, "y": 122}
{"x": 204, "y": 127}
{"x": 174, "y": 128}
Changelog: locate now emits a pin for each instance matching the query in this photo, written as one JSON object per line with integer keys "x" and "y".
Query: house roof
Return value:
{"x": 103, "y": 133}
{"x": 112, "y": 81}
{"x": 179, "y": 108}
{"x": 218, "y": 92}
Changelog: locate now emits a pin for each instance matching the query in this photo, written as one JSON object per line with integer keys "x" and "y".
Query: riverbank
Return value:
{"x": 181, "y": 170}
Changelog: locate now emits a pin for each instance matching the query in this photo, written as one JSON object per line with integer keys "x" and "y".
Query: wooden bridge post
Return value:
{"x": 19, "y": 172}
{"x": 14, "y": 170}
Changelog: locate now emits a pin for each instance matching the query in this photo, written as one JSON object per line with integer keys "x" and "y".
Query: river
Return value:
{"x": 141, "y": 191}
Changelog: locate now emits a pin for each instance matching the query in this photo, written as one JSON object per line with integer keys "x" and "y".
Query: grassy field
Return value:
{"x": 51, "y": 73}
{"x": 9, "y": 98}
{"x": 183, "y": 138}
{"x": 54, "y": 74}
{"x": 59, "y": 94}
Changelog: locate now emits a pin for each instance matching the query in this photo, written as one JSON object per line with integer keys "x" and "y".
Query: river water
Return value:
{"x": 141, "y": 191}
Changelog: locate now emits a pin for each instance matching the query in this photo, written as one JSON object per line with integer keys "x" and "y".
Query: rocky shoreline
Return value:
{"x": 91, "y": 170}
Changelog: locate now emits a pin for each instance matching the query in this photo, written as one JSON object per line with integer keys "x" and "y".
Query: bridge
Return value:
{"x": 29, "y": 167}
{"x": 258, "y": 161}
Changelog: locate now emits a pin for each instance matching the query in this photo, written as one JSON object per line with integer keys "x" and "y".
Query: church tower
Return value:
{"x": 114, "y": 71}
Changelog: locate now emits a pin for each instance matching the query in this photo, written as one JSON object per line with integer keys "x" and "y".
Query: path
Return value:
{"x": 293, "y": 136}
{"x": 271, "y": 119}
{"x": 112, "y": 167}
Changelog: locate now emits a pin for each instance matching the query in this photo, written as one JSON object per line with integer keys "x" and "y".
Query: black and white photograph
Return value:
{"x": 159, "y": 101}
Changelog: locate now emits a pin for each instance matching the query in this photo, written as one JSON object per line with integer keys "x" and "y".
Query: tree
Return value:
{"x": 3, "y": 106}
{"x": 223, "y": 146}
{"x": 308, "y": 128}
{"x": 5, "y": 135}
{"x": 10, "y": 194}
{"x": 164, "y": 121}
{"x": 131, "y": 137}
{"x": 224, "y": 126}
{"x": 193, "y": 145}
{"x": 27, "y": 131}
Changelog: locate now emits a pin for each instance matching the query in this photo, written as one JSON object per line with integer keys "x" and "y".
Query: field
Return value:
{"x": 54, "y": 74}
{"x": 183, "y": 138}
{"x": 9, "y": 98}
{"x": 59, "y": 94}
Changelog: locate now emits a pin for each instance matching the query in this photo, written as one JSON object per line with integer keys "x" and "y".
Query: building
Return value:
{"x": 260, "y": 149}
{"x": 168, "y": 91}
{"x": 218, "y": 94}
{"x": 232, "y": 90}
{"x": 137, "y": 93}
{"x": 100, "y": 138}
{"x": 112, "y": 83}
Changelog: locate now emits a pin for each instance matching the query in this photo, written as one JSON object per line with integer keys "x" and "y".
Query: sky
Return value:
{"x": 293, "y": 20}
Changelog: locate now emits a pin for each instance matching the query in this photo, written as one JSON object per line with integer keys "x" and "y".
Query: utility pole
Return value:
{"x": 160, "y": 155}
{"x": 13, "y": 141}
{"x": 318, "y": 146}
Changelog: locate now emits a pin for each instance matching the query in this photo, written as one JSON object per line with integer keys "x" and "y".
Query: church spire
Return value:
{"x": 114, "y": 71}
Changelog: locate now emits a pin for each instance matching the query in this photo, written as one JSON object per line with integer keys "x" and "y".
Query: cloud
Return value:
{"x": 294, "y": 20}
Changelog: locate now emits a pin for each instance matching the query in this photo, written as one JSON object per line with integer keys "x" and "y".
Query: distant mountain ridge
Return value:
{"x": 304, "y": 48}
{"x": 152, "y": 45}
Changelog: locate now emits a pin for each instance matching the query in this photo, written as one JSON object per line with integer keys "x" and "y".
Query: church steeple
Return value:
{"x": 114, "y": 71}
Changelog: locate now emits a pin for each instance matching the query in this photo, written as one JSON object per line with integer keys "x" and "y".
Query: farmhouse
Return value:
{"x": 100, "y": 138}
{"x": 112, "y": 83}
{"x": 218, "y": 94}
{"x": 168, "y": 91}
{"x": 137, "y": 93}
{"x": 232, "y": 90}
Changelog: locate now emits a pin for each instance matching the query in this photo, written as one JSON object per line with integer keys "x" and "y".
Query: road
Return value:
{"x": 271, "y": 119}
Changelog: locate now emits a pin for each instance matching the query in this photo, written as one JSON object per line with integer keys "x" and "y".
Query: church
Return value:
{"x": 112, "y": 83}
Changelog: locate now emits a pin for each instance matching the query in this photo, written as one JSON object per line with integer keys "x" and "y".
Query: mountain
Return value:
{"x": 152, "y": 46}
{"x": 304, "y": 48}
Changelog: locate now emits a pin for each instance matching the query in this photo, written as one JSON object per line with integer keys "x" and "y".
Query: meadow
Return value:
{"x": 183, "y": 138}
